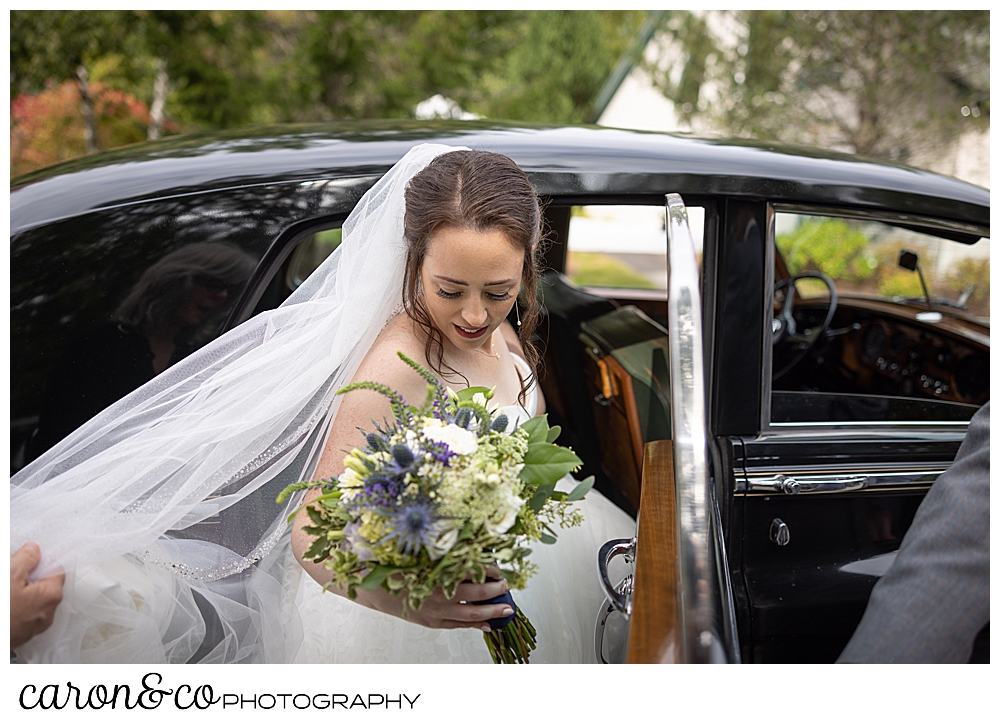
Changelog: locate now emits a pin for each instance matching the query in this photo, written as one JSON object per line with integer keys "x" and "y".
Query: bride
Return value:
{"x": 161, "y": 509}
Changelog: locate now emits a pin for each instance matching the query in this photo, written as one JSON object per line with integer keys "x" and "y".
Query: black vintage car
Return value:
{"x": 773, "y": 421}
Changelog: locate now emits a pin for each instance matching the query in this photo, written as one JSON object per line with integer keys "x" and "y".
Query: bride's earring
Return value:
{"x": 517, "y": 309}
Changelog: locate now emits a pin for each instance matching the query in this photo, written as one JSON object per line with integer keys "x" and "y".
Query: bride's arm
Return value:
{"x": 358, "y": 409}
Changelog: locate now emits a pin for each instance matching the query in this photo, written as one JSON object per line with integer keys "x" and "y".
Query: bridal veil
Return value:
{"x": 161, "y": 509}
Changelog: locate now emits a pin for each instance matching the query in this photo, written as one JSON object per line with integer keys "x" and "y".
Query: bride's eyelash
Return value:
{"x": 455, "y": 295}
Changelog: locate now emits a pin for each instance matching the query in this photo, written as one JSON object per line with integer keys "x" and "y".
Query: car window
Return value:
{"x": 862, "y": 257}
{"x": 104, "y": 301}
{"x": 310, "y": 252}
{"x": 907, "y": 340}
{"x": 623, "y": 247}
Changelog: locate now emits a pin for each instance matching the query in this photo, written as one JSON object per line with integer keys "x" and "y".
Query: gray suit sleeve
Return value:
{"x": 935, "y": 597}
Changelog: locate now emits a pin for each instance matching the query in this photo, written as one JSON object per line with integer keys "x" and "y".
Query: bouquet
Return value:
{"x": 440, "y": 494}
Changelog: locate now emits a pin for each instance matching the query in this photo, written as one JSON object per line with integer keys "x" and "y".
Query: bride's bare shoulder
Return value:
{"x": 382, "y": 363}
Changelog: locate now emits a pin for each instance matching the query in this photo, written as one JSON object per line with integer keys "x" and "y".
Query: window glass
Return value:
{"x": 104, "y": 301}
{"x": 623, "y": 246}
{"x": 309, "y": 254}
{"x": 908, "y": 339}
{"x": 863, "y": 258}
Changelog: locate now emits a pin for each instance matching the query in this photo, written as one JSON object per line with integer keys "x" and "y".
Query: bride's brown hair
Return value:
{"x": 478, "y": 191}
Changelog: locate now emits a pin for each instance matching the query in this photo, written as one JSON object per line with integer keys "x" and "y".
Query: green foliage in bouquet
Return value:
{"x": 439, "y": 495}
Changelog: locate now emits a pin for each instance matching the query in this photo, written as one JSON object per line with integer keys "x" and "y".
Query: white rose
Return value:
{"x": 459, "y": 441}
{"x": 512, "y": 506}
{"x": 479, "y": 398}
{"x": 442, "y": 544}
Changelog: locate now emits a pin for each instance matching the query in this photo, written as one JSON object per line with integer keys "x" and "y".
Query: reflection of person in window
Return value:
{"x": 176, "y": 306}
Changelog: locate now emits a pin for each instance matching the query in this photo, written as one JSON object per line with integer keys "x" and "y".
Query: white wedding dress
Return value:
{"x": 561, "y": 601}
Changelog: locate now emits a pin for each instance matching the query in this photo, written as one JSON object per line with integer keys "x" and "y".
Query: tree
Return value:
{"x": 223, "y": 68}
{"x": 555, "y": 70}
{"x": 878, "y": 83}
{"x": 47, "y": 127}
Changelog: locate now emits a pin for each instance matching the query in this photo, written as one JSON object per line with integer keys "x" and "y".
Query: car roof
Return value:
{"x": 563, "y": 161}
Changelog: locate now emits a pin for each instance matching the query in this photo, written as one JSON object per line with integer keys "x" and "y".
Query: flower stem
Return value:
{"x": 513, "y": 643}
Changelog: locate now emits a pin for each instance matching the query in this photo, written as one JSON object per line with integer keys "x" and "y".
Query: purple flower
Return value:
{"x": 439, "y": 451}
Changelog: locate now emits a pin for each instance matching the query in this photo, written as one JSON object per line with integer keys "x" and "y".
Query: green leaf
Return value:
{"x": 553, "y": 433}
{"x": 315, "y": 515}
{"x": 333, "y": 495}
{"x": 545, "y": 453}
{"x": 542, "y": 494}
{"x": 537, "y": 427}
{"x": 318, "y": 550}
{"x": 375, "y": 579}
{"x": 466, "y": 531}
{"x": 548, "y": 539}
{"x": 546, "y": 463}
{"x": 468, "y": 393}
{"x": 581, "y": 490}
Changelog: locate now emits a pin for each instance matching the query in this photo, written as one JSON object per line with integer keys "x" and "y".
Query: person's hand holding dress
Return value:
{"x": 32, "y": 603}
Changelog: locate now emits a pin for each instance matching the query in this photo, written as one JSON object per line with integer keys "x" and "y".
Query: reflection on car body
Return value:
{"x": 829, "y": 408}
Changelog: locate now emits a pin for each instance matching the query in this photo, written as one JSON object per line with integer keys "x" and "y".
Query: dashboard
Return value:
{"x": 871, "y": 348}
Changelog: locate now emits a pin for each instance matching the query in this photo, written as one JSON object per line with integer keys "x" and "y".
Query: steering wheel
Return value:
{"x": 785, "y": 328}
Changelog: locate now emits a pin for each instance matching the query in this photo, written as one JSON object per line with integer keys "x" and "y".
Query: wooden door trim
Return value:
{"x": 655, "y": 623}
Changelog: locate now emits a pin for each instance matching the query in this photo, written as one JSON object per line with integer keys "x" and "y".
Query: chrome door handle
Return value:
{"x": 608, "y": 608}
{"x": 611, "y": 549}
{"x": 794, "y": 485}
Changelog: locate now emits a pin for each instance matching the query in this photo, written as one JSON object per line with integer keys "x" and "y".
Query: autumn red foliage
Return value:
{"x": 48, "y": 127}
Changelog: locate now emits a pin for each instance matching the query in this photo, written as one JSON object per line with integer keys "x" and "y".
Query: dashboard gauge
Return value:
{"x": 873, "y": 341}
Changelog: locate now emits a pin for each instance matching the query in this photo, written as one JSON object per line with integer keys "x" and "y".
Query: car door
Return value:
{"x": 678, "y": 600}
{"x": 852, "y": 436}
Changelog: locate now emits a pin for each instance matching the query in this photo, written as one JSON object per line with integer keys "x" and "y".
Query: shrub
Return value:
{"x": 48, "y": 127}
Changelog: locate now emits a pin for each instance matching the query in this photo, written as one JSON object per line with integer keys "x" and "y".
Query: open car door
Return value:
{"x": 678, "y": 601}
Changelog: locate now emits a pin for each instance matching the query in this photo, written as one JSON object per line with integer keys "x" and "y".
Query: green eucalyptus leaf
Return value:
{"x": 542, "y": 494}
{"x": 548, "y": 539}
{"x": 581, "y": 490}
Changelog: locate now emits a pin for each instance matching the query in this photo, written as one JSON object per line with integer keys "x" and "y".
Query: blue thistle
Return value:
{"x": 413, "y": 526}
{"x": 463, "y": 417}
{"x": 402, "y": 455}
{"x": 499, "y": 423}
{"x": 376, "y": 443}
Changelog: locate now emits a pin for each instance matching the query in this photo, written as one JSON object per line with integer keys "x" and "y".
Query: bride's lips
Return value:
{"x": 468, "y": 333}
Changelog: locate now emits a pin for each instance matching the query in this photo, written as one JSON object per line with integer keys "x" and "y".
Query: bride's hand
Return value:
{"x": 440, "y": 612}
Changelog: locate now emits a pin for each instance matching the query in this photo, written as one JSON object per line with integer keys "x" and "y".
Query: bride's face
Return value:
{"x": 470, "y": 280}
